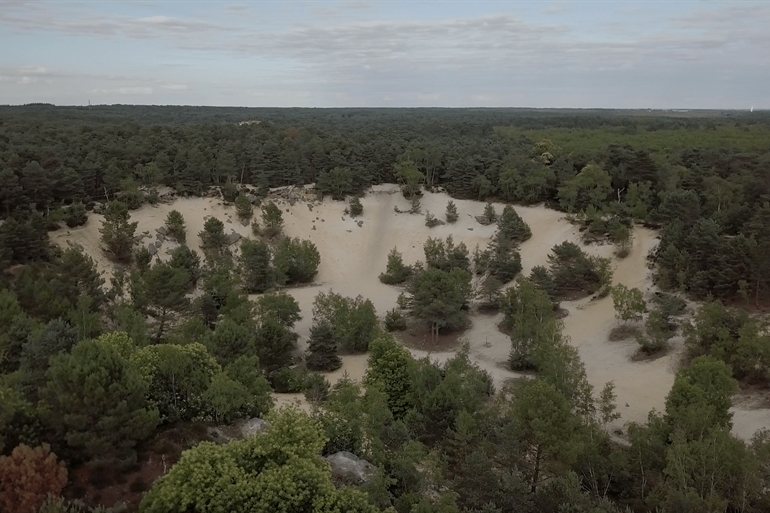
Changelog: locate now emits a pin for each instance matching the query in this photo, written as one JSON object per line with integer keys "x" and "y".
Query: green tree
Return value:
{"x": 164, "y": 288}
{"x": 226, "y": 398}
{"x": 389, "y": 369}
{"x": 322, "y": 348}
{"x": 272, "y": 220}
{"x": 177, "y": 377}
{"x": 287, "y": 476}
{"x": 354, "y": 321}
{"x": 118, "y": 232}
{"x": 590, "y": 187}
{"x": 176, "y": 227}
{"x": 255, "y": 266}
{"x": 395, "y": 272}
{"x": 57, "y": 337}
{"x": 97, "y": 399}
{"x": 274, "y": 344}
{"x": 213, "y": 238}
{"x": 246, "y": 370}
{"x": 338, "y": 182}
{"x": 75, "y": 215}
{"x": 629, "y": 303}
{"x": 188, "y": 260}
{"x": 528, "y": 314}
{"x": 451, "y": 212}
{"x": 409, "y": 177}
{"x": 511, "y": 227}
{"x": 547, "y": 427}
{"x": 700, "y": 398}
{"x": 296, "y": 261}
{"x": 489, "y": 216}
{"x": 243, "y": 208}
{"x": 280, "y": 306}
{"x": 438, "y": 298}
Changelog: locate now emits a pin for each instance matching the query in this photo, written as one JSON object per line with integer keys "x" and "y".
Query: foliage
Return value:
{"x": 97, "y": 399}
{"x": 438, "y": 298}
{"x": 322, "y": 348}
{"x": 395, "y": 320}
{"x": 176, "y": 227}
{"x": 355, "y": 208}
{"x": 28, "y": 476}
{"x": 280, "y": 306}
{"x": 272, "y": 220}
{"x": 389, "y": 370}
{"x": 444, "y": 255}
{"x": 511, "y": 227}
{"x": 296, "y": 261}
{"x": 572, "y": 272}
{"x": 255, "y": 266}
{"x": 354, "y": 321}
{"x": 177, "y": 378}
{"x": 395, "y": 272}
{"x": 528, "y": 314}
{"x": 489, "y": 216}
{"x": 629, "y": 303}
{"x": 279, "y": 471}
{"x": 315, "y": 387}
{"x": 451, "y": 212}
{"x": 118, "y": 232}
{"x": 75, "y": 215}
{"x": 243, "y": 208}
{"x": 213, "y": 238}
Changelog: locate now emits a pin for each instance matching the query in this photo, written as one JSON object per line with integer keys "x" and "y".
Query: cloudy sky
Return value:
{"x": 625, "y": 54}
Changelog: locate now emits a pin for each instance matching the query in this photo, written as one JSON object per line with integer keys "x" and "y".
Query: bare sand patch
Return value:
{"x": 354, "y": 253}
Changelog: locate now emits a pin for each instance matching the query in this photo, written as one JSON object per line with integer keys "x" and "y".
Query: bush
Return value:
{"x": 75, "y": 215}
{"x": 229, "y": 192}
{"x": 316, "y": 388}
{"x": 395, "y": 321}
{"x": 431, "y": 220}
{"x": 451, "y": 212}
{"x": 355, "y": 207}
{"x": 296, "y": 261}
{"x": 286, "y": 380}
{"x": 395, "y": 272}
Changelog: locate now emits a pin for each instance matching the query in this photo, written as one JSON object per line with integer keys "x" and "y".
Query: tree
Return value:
{"x": 225, "y": 397}
{"x": 75, "y": 215}
{"x": 408, "y": 176}
{"x": 164, "y": 287}
{"x": 354, "y": 321}
{"x": 389, "y": 369}
{"x": 246, "y": 371}
{"x": 438, "y": 298}
{"x": 395, "y": 272}
{"x": 243, "y": 208}
{"x": 451, "y": 212}
{"x": 287, "y": 476}
{"x": 272, "y": 220}
{"x": 57, "y": 337}
{"x": 280, "y": 306}
{"x": 590, "y": 187}
{"x": 117, "y": 232}
{"x": 188, "y": 260}
{"x": 176, "y": 227}
{"x": 546, "y": 426}
{"x": 97, "y": 399}
{"x": 274, "y": 344}
{"x": 444, "y": 255}
{"x": 322, "y": 348}
{"x": 177, "y": 378}
{"x": 338, "y": 182}
{"x": 28, "y": 476}
{"x": 489, "y": 216}
{"x": 528, "y": 313}
{"x": 296, "y": 261}
{"x": 213, "y": 238}
{"x": 511, "y": 227}
{"x": 255, "y": 266}
{"x": 629, "y": 303}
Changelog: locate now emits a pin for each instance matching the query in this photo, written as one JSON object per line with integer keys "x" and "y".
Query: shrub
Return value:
{"x": 316, "y": 388}
{"x": 286, "y": 380}
{"x": 355, "y": 208}
{"x": 451, "y": 212}
{"x": 395, "y": 272}
{"x": 395, "y": 320}
{"x": 75, "y": 215}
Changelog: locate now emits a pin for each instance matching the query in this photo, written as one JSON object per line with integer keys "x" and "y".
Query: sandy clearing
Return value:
{"x": 352, "y": 257}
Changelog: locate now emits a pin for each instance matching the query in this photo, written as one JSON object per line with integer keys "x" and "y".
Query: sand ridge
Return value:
{"x": 354, "y": 252}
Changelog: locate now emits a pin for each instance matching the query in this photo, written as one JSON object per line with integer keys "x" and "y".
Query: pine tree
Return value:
{"x": 451, "y": 212}
{"x": 322, "y": 350}
{"x": 176, "y": 226}
{"x": 272, "y": 220}
{"x": 117, "y": 232}
{"x": 255, "y": 266}
{"x": 243, "y": 208}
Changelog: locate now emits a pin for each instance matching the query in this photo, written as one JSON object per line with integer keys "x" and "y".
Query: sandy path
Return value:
{"x": 353, "y": 256}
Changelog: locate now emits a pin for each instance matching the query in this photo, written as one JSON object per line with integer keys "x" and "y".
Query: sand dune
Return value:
{"x": 352, "y": 257}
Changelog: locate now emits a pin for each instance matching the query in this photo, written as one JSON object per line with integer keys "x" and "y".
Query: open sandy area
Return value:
{"x": 353, "y": 256}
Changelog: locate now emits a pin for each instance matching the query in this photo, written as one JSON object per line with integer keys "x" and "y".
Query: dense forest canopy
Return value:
{"x": 95, "y": 376}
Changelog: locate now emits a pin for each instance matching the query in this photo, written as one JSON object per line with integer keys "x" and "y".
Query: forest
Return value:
{"x": 100, "y": 375}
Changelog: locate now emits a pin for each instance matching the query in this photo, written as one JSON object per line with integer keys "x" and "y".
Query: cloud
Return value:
{"x": 174, "y": 87}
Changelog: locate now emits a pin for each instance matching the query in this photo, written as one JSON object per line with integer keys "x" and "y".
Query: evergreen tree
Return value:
{"x": 395, "y": 272}
{"x": 243, "y": 208}
{"x": 451, "y": 212}
{"x": 322, "y": 348}
{"x": 255, "y": 266}
{"x": 97, "y": 400}
{"x": 213, "y": 238}
{"x": 164, "y": 289}
{"x": 272, "y": 220}
{"x": 355, "y": 208}
{"x": 118, "y": 232}
{"x": 296, "y": 261}
{"x": 176, "y": 226}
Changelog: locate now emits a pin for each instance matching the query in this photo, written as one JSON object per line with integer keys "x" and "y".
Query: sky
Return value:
{"x": 578, "y": 54}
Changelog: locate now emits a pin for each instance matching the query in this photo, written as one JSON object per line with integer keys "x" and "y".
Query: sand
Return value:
{"x": 353, "y": 256}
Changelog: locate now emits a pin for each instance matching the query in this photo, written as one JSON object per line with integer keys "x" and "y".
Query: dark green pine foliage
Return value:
{"x": 322, "y": 348}
{"x": 255, "y": 266}
{"x": 118, "y": 232}
{"x": 512, "y": 227}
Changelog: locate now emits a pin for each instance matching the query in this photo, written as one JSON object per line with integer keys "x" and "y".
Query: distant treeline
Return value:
{"x": 704, "y": 176}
